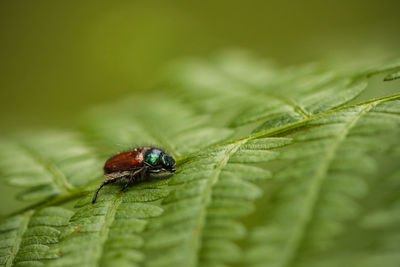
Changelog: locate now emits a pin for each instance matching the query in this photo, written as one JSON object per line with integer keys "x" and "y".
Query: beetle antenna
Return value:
{"x": 101, "y": 186}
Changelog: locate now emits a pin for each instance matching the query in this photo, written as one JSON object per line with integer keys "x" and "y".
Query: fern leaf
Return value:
{"x": 165, "y": 122}
{"x": 210, "y": 201}
{"x": 275, "y": 167}
{"x": 339, "y": 170}
{"x": 392, "y": 76}
{"x": 26, "y": 239}
{"x": 109, "y": 232}
{"x": 272, "y": 97}
{"x": 48, "y": 164}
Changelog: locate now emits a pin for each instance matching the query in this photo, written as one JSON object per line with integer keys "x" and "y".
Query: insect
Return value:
{"x": 134, "y": 166}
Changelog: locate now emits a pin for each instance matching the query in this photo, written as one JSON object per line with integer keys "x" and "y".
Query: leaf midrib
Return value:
{"x": 300, "y": 123}
{"x": 312, "y": 198}
{"x": 105, "y": 229}
{"x": 21, "y": 230}
{"x": 211, "y": 181}
{"x": 56, "y": 174}
{"x": 72, "y": 194}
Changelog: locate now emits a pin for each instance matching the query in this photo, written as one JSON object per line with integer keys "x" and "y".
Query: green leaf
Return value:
{"x": 48, "y": 164}
{"x": 310, "y": 214}
{"x": 110, "y": 229}
{"x": 275, "y": 167}
{"x": 392, "y": 76}
{"x": 27, "y": 239}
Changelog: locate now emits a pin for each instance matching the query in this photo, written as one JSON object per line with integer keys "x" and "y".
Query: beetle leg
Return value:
{"x": 126, "y": 185}
{"x": 132, "y": 177}
{"x": 143, "y": 172}
{"x": 155, "y": 171}
{"x": 100, "y": 187}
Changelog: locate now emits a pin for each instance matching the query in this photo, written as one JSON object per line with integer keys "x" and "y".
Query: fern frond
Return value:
{"x": 109, "y": 232}
{"x": 26, "y": 239}
{"x": 48, "y": 164}
{"x": 275, "y": 167}
{"x": 273, "y": 97}
{"x": 392, "y": 76}
{"x": 160, "y": 121}
{"x": 208, "y": 198}
{"x": 328, "y": 171}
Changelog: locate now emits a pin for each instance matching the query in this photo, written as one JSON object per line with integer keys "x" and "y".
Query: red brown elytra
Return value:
{"x": 134, "y": 166}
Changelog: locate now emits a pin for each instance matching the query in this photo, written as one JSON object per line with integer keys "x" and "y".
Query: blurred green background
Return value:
{"x": 59, "y": 57}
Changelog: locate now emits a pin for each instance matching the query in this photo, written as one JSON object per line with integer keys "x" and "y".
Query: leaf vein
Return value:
{"x": 297, "y": 124}
{"x": 56, "y": 174}
{"x": 208, "y": 190}
{"x": 108, "y": 220}
{"x": 314, "y": 193}
{"x": 21, "y": 230}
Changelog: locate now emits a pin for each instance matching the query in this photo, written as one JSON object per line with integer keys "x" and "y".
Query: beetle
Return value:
{"x": 134, "y": 166}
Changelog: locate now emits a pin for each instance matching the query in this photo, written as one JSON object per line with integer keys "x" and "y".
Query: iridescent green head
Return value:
{"x": 158, "y": 160}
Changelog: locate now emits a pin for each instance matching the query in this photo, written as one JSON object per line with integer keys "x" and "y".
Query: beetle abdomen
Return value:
{"x": 125, "y": 161}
